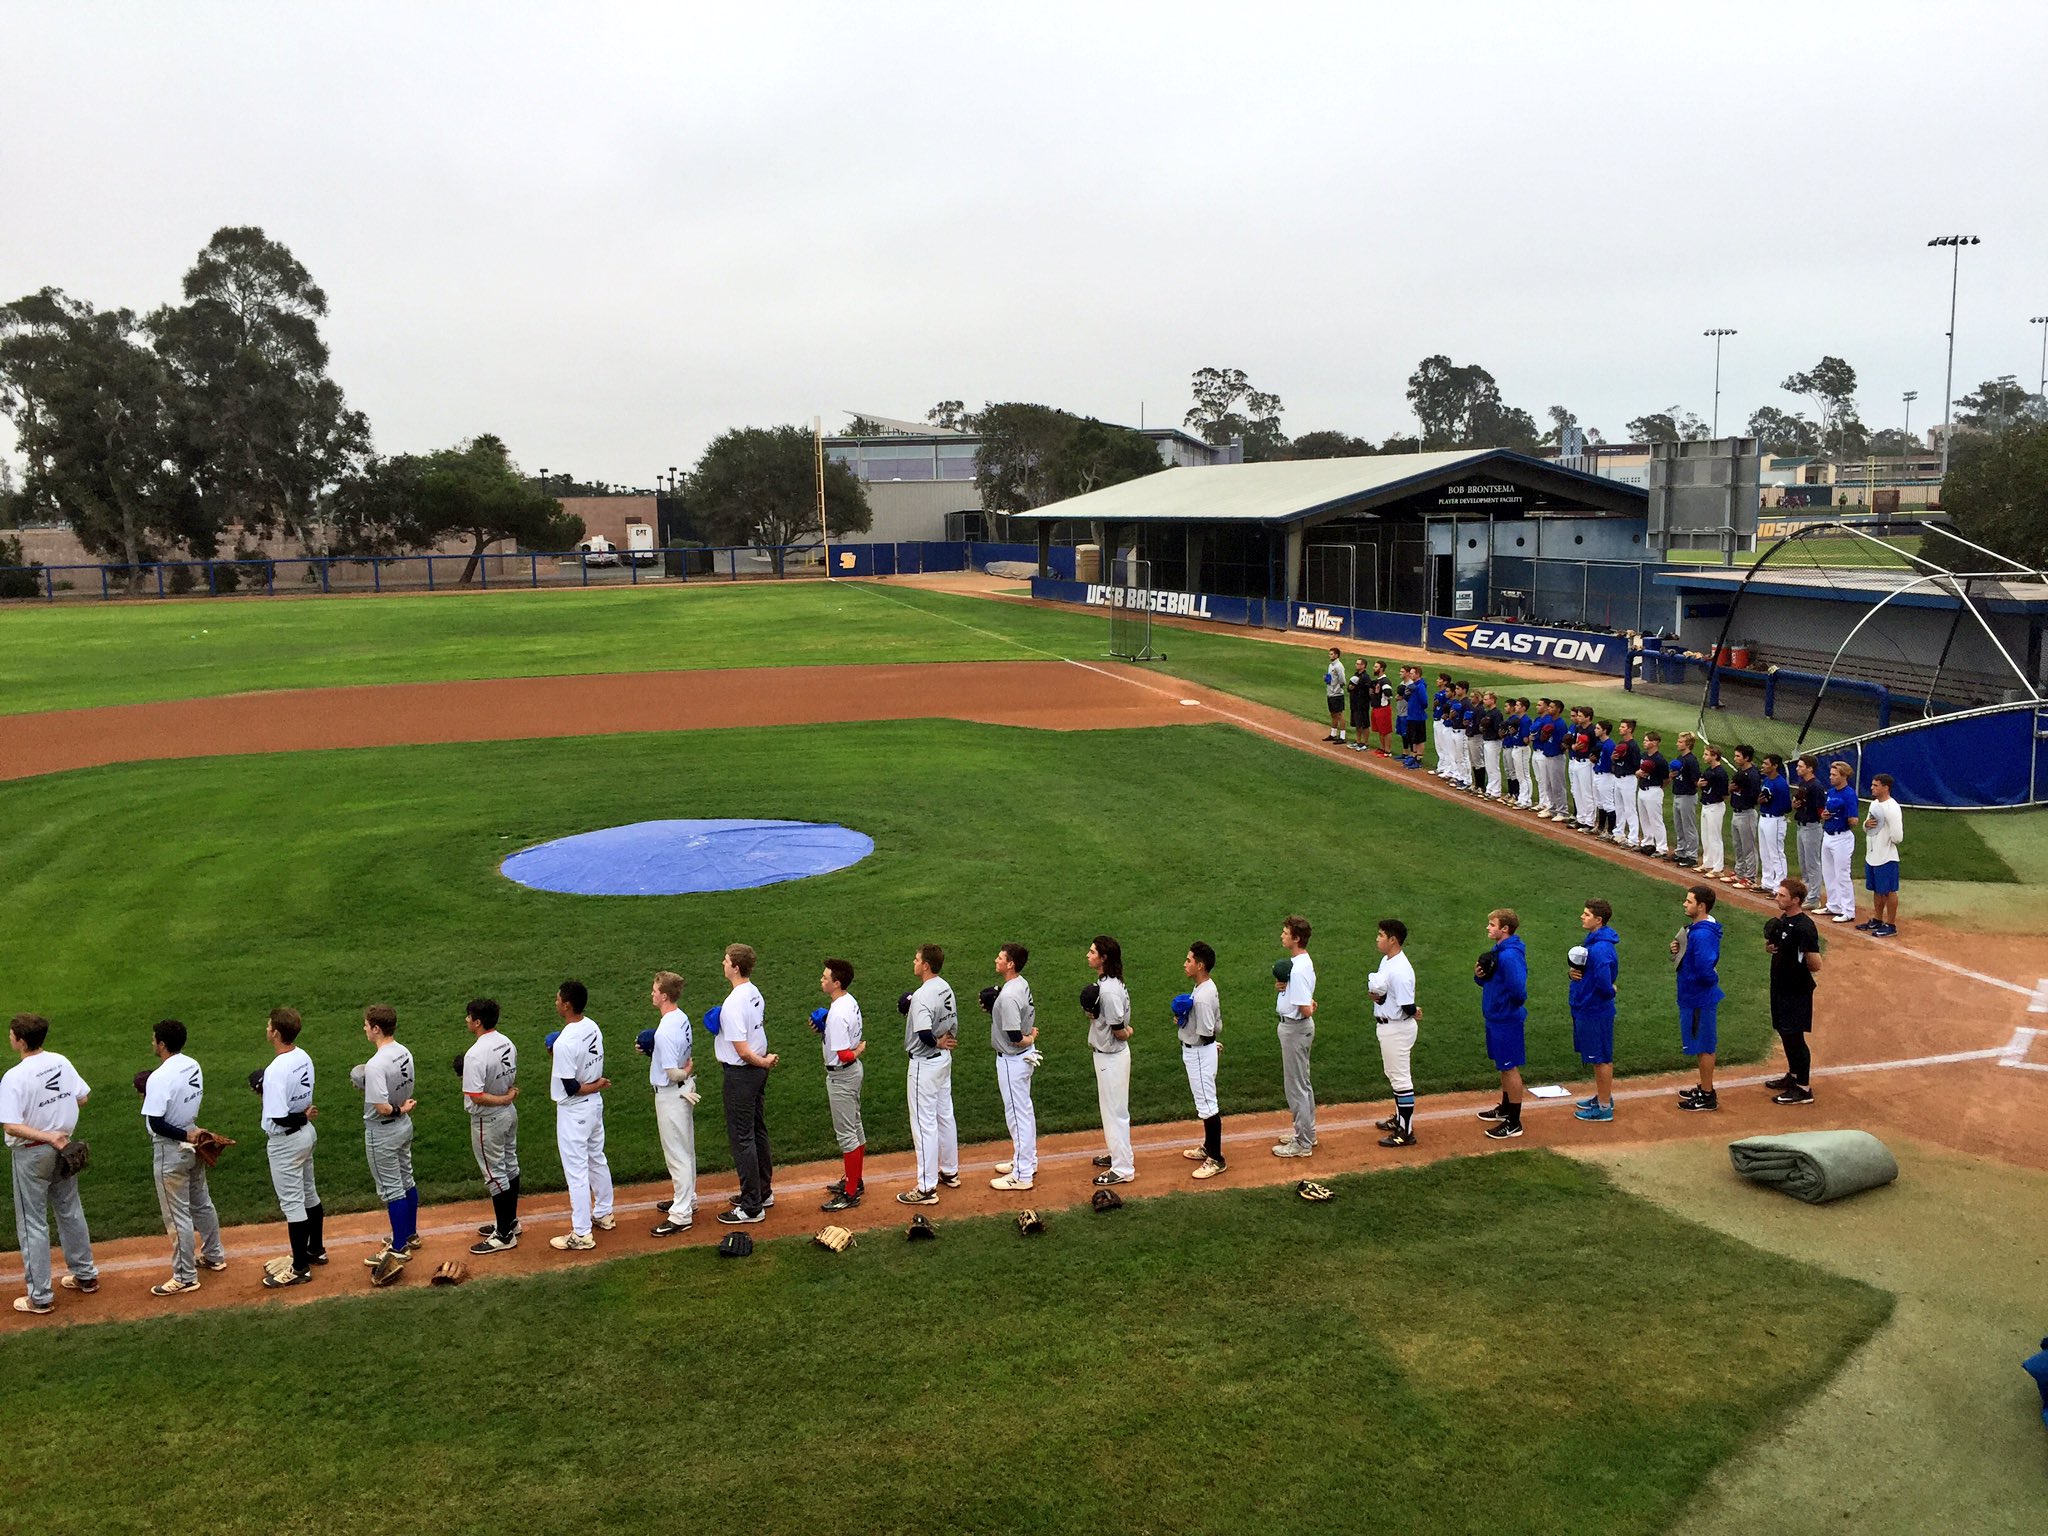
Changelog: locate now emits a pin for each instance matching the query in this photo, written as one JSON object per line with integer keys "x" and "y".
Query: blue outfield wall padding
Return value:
{"x": 679, "y": 858}
{"x": 1972, "y": 761}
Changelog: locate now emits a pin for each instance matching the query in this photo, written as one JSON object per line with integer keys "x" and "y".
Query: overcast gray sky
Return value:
{"x": 606, "y": 232}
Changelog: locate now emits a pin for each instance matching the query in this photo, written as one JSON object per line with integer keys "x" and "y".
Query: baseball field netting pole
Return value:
{"x": 818, "y": 450}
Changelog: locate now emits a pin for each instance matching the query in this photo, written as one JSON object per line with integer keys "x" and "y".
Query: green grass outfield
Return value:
{"x": 74, "y": 657}
{"x": 212, "y": 890}
{"x": 1507, "y": 1343}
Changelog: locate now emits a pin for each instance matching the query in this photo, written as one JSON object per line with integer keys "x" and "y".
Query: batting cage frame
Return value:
{"x": 1130, "y": 610}
{"x": 1980, "y": 743}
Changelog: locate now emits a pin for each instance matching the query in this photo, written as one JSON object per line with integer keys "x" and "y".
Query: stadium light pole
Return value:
{"x": 1948, "y": 389}
{"x": 1906, "y": 450}
{"x": 1717, "y": 333}
{"x": 2042, "y": 321}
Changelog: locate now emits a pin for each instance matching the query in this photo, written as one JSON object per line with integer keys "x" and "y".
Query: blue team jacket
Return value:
{"x": 1503, "y": 996}
{"x": 1699, "y": 978}
{"x": 1592, "y": 995}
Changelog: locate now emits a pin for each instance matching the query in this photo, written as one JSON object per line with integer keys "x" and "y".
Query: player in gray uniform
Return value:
{"x": 1013, "y": 1033}
{"x": 288, "y": 1114}
{"x": 40, "y": 1097}
{"x": 490, "y": 1090}
{"x": 840, "y": 1037}
{"x": 1109, "y": 1033}
{"x": 931, "y": 1028}
{"x": 1199, "y": 1016}
{"x": 1296, "y": 1006}
{"x": 170, "y": 1109}
{"x": 386, "y": 1080}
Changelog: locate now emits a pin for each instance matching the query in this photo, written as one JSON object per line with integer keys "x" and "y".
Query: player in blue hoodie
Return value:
{"x": 1592, "y": 998}
{"x": 1697, "y": 950}
{"x": 1503, "y": 978}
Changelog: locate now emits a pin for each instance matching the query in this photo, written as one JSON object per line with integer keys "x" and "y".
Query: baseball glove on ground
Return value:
{"x": 1107, "y": 1200}
{"x": 1309, "y": 1189}
{"x": 279, "y": 1266}
{"x": 73, "y": 1158}
{"x": 387, "y": 1269}
{"x": 1030, "y": 1225}
{"x": 735, "y": 1245}
{"x": 208, "y": 1145}
{"x": 838, "y": 1239}
{"x": 451, "y": 1272}
{"x": 142, "y": 1079}
{"x": 919, "y": 1229}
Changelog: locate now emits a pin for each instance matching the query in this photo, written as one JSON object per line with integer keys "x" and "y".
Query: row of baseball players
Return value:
{"x": 41, "y": 1096}
{"x": 1595, "y": 776}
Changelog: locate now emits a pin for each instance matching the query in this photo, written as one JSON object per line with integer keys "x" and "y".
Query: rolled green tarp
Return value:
{"x": 1816, "y": 1166}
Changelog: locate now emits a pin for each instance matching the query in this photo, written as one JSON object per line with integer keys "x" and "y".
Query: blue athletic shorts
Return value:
{"x": 1699, "y": 1030}
{"x": 1504, "y": 1045}
{"x": 1881, "y": 879}
{"x": 1594, "y": 1040}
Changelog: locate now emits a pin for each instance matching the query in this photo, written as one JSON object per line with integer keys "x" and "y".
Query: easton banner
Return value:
{"x": 1532, "y": 642}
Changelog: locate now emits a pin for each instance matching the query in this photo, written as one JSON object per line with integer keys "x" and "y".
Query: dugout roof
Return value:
{"x": 1835, "y": 584}
{"x": 1299, "y": 492}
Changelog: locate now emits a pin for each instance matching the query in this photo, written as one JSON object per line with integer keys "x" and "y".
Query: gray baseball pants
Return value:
{"x": 1745, "y": 845}
{"x": 182, "y": 1195}
{"x": 291, "y": 1172}
{"x": 1685, "y": 820}
{"x": 494, "y": 1139}
{"x": 1296, "y": 1036}
{"x": 389, "y": 1145}
{"x": 1810, "y": 839}
{"x": 37, "y": 1192}
{"x": 842, "y": 1097}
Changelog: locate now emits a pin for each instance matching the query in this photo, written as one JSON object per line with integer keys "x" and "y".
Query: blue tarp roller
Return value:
{"x": 680, "y": 858}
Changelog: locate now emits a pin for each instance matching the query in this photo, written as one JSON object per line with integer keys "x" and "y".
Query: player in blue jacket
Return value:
{"x": 1594, "y": 969}
{"x": 1697, "y": 950}
{"x": 1503, "y": 978}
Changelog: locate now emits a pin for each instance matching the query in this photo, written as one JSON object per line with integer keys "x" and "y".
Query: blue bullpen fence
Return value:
{"x": 267, "y": 576}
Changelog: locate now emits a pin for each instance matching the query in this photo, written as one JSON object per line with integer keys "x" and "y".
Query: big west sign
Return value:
{"x": 1531, "y": 642}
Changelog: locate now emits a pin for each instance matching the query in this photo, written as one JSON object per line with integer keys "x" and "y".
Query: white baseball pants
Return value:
{"x": 1113, "y": 1098}
{"x": 932, "y": 1131}
{"x": 1013, "y": 1081}
{"x": 1397, "y": 1045}
{"x": 1650, "y": 812}
{"x": 1200, "y": 1062}
{"x": 1712, "y": 819}
{"x": 1770, "y": 835}
{"x": 579, "y": 1139}
{"x": 1837, "y": 850}
{"x": 676, "y": 1121}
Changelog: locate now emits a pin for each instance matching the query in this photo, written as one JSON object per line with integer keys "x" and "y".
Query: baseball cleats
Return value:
{"x": 663, "y": 1205}
{"x": 1194, "y": 1154}
{"x": 1293, "y": 1148}
{"x": 1706, "y": 1101}
{"x": 1507, "y": 1130}
{"x": 1004, "y": 1167}
{"x": 573, "y": 1242}
{"x": 1209, "y": 1169}
{"x": 605, "y": 1223}
{"x": 1598, "y": 1114}
{"x": 734, "y": 1200}
{"x": 34, "y": 1308}
{"x": 1391, "y": 1123}
{"x": 1009, "y": 1181}
{"x": 1841, "y": 918}
{"x": 950, "y": 1180}
{"x": 1780, "y": 1083}
{"x": 1102, "y": 1159}
{"x": 1793, "y": 1095}
{"x": 83, "y": 1287}
{"x": 1113, "y": 1177}
{"x": 1398, "y": 1138}
{"x": 740, "y": 1216}
{"x": 669, "y": 1228}
{"x": 174, "y": 1287}
{"x": 842, "y": 1201}
{"x": 1689, "y": 1093}
{"x": 216, "y": 1265}
{"x": 278, "y": 1279}
{"x": 1494, "y": 1113}
{"x": 918, "y": 1197}
{"x": 492, "y": 1243}
{"x": 490, "y": 1230}
{"x": 1885, "y": 931}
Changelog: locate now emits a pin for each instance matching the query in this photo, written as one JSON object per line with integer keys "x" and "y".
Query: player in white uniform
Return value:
{"x": 490, "y": 1093}
{"x": 1013, "y": 1033}
{"x": 288, "y": 1114}
{"x": 40, "y": 1097}
{"x": 745, "y": 1062}
{"x": 1109, "y": 1033}
{"x": 386, "y": 1081}
{"x": 931, "y": 1028}
{"x": 1296, "y": 1006}
{"x": 672, "y": 1074}
{"x": 1198, "y": 1016}
{"x": 576, "y": 1082}
{"x": 1396, "y": 1020}
{"x": 170, "y": 1109}
{"x": 841, "y": 1038}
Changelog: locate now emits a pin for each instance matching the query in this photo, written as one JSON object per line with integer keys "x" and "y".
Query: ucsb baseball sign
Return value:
{"x": 1187, "y": 605}
{"x": 1530, "y": 642}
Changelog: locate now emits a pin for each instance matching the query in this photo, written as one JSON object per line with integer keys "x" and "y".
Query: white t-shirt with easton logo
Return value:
{"x": 174, "y": 1091}
{"x": 579, "y": 1053}
{"x": 42, "y": 1092}
{"x": 287, "y": 1086}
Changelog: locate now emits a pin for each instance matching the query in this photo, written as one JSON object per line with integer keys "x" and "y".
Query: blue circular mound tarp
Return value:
{"x": 678, "y": 858}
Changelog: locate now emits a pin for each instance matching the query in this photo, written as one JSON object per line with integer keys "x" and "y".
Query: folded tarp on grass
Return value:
{"x": 1816, "y": 1166}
